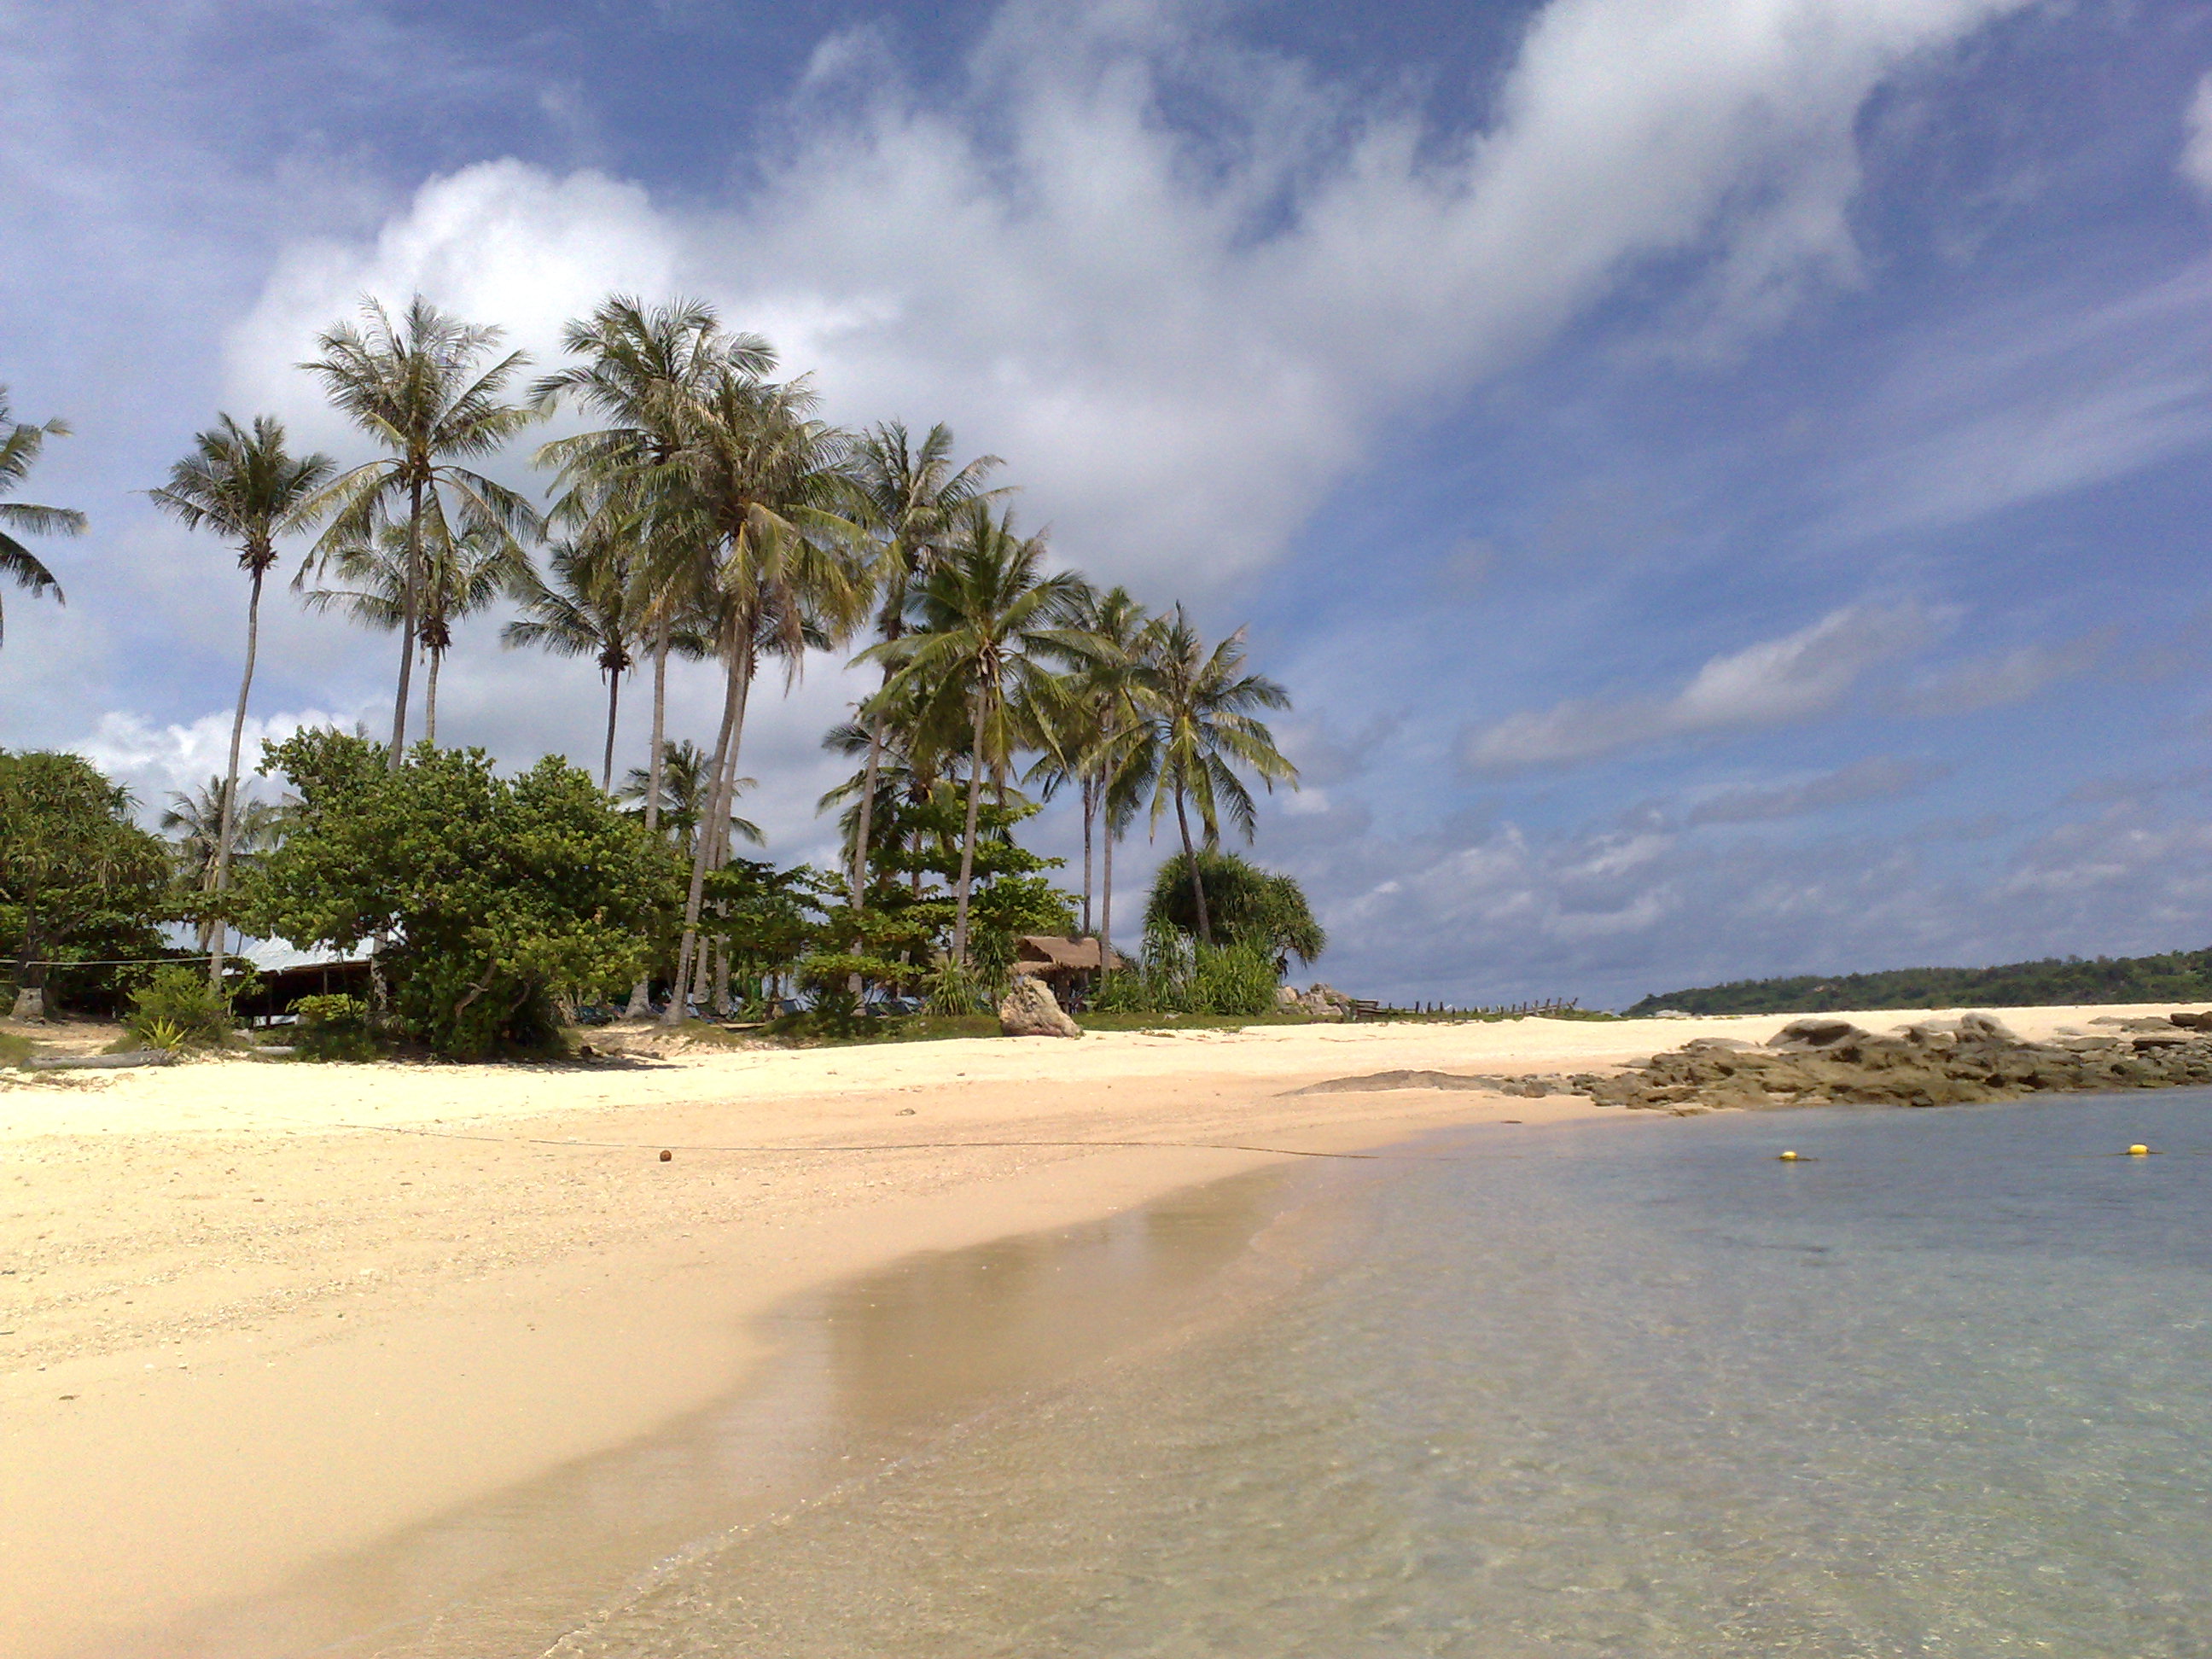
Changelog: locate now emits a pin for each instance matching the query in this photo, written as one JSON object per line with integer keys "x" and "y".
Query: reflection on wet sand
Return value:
{"x": 865, "y": 1374}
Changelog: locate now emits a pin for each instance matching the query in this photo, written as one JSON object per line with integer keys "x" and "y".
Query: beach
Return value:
{"x": 259, "y": 1316}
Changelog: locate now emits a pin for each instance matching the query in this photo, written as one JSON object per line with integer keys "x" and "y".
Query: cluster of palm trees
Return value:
{"x": 710, "y": 514}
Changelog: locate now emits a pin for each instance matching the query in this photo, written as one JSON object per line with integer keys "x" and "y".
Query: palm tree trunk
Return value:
{"x": 430, "y": 698}
{"x": 614, "y": 707}
{"x": 866, "y": 826}
{"x": 230, "y": 778}
{"x": 409, "y": 597}
{"x": 1190, "y": 862}
{"x": 738, "y": 683}
{"x": 654, "y": 762}
{"x": 968, "y": 837}
{"x": 1089, "y": 813}
{"x": 1106, "y": 906}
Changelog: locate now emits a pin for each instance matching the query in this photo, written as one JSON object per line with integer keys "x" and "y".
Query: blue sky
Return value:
{"x": 1725, "y": 481}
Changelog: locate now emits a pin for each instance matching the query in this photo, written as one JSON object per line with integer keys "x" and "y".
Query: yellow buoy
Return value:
{"x": 2138, "y": 1151}
{"x": 1788, "y": 1157}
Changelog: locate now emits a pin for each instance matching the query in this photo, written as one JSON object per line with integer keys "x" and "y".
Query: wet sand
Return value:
{"x": 259, "y": 1319}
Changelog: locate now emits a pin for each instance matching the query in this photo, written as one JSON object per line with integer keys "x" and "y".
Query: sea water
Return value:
{"x": 1941, "y": 1386}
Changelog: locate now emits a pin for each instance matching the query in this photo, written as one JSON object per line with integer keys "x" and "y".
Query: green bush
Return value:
{"x": 333, "y": 1027}
{"x": 1178, "y": 976}
{"x": 179, "y": 1009}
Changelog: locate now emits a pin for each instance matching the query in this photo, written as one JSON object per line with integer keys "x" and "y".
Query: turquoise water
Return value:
{"x": 1944, "y": 1387}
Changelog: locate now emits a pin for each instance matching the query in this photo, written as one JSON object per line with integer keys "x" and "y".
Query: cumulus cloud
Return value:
{"x": 1775, "y": 681}
{"x": 1185, "y": 333}
{"x": 154, "y": 761}
{"x": 1882, "y": 778}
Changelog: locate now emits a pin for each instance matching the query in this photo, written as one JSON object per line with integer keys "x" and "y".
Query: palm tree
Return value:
{"x": 419, "y": 389}
{"x": 1198, "y": 703}
{"x": 20, "y": 445}
{"x": 906, "y": 501}
{"x": 986, "y": 619}
{"x": 759, "y": 479}
{"x": 1089, "y": 727}
{"x": 195, "y": 820}
{"x": 645, "y": 369}
{"x": 456, "y": 575}
{"x": 248, "y": 487}
{"x": 588, "y": 609}
{"x": 683, "y": 785}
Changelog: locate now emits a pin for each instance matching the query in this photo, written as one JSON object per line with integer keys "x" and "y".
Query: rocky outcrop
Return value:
{"x": 1320, "y": 1002}
{"x": 1938, "y": 1063}
{"x": 1824, "y": 1062}
{"x": 1031, "y": 1010}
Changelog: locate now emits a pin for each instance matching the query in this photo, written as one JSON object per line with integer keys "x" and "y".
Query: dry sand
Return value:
{"x": 253, "y": 1317}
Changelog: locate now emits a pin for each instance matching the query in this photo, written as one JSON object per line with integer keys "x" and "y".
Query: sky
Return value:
{"x": 1723, "y": 482}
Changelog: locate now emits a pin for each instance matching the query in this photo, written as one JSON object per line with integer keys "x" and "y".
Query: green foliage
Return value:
{"x": 332, "y": 1027}
{"x": 15, "y": 1050}
{"x": 1178, "y": 976}
{"x": 1244, "y": 903}
{"x": 495, "y": 896}
{"x": 2176, "y": 976}
{"x": 79, "y": 881}
{"x": 177, "y": 1008}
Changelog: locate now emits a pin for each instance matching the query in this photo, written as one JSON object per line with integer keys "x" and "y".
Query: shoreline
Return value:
{"x": 373, "y": 1294}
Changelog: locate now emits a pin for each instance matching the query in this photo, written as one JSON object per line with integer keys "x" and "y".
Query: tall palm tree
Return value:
{"x": 760, "y": 483}
{"x": 986, "y": 621}
{"x": 247, "y": 486}
{"x": 456, "y": 575}
{"x": 1199, "y": 703}
{"x": 1088, "y": 727}
{"x": 907, "y": 500}
{"x": 196, "y": 820}
{"x": 420, "y": 387}
{"x": 20, "y": 445}
{"x": 683, "y": 786}
{"x": 645, "y": 369}
{"x": 587, "y": 609}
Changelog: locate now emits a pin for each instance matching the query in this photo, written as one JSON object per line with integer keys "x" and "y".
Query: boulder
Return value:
{"x": 1031, "y": 1010}
{"x": 1815, "y": 1033}
{"x": 1986, "y": 1027}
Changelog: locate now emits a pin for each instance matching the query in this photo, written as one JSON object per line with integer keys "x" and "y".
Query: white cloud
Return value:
{"x": 1883, "y": 778}
{"x": 2195, "y": 163}
{"x": 1774, "y": 682}
{"x": 153, "y": 761}
{"x": 1184, "y": 338}
{"x": 2007, "y": 677}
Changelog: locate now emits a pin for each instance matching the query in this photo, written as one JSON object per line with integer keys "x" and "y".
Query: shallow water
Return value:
{"x": 1942, "y": 1387}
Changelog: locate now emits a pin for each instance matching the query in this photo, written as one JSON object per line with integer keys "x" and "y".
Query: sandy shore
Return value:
{"x": 253, "y": 1317}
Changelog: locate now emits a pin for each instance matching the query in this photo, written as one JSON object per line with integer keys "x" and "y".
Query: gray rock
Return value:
{"x": 1031, "y": 1010}
{"x": 1815, "y": 1033}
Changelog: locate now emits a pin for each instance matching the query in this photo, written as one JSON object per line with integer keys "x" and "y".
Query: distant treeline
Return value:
{"x": 2177, "y": 976}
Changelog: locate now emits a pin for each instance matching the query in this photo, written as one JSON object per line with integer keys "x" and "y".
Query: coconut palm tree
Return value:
{"x": 683, "y": 785}
{"x": 420, "y": 387}
{"x": 645, "y": 369}
{"x": 1199, "y": 703}
{"x": 588, "y": 608}
{"x": 19, "y": 445}
{"x": 194, "y": 820}
{"x": 760, "y": 481}
{"x": 457, "y": 574}
{"x": 986, "y": 621}
{"x": 1090, "y": 722}
{"x": 906, "y": 499}
{"x": 247, "y": 486}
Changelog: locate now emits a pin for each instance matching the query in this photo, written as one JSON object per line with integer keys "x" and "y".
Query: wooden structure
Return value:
{"x": 1061, "y": 964}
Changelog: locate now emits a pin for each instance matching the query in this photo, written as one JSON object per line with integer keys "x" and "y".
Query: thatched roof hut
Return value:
{"x": 1058, "y": 960}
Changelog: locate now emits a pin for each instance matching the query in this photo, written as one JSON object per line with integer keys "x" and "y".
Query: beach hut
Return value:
{"x": 1064, "y": 965}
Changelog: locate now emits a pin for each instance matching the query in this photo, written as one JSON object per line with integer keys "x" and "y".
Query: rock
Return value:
{"x": 1815, "y": 1033}
{"x": 30, "y": 1004}
{"x": 1986, "y": 1028}
{"x": 1718, "y": 1045}
{"x": 1031, "y": 1010}
{"x": 2190, "y": 1022}
{"x": 1286, "y": 997}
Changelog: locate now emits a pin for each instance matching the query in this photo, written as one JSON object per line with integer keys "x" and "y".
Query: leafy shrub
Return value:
{"x": 177, "y": 1008}
{"x": 1178, "y": 976}
{"x": 333, "y": 1027}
